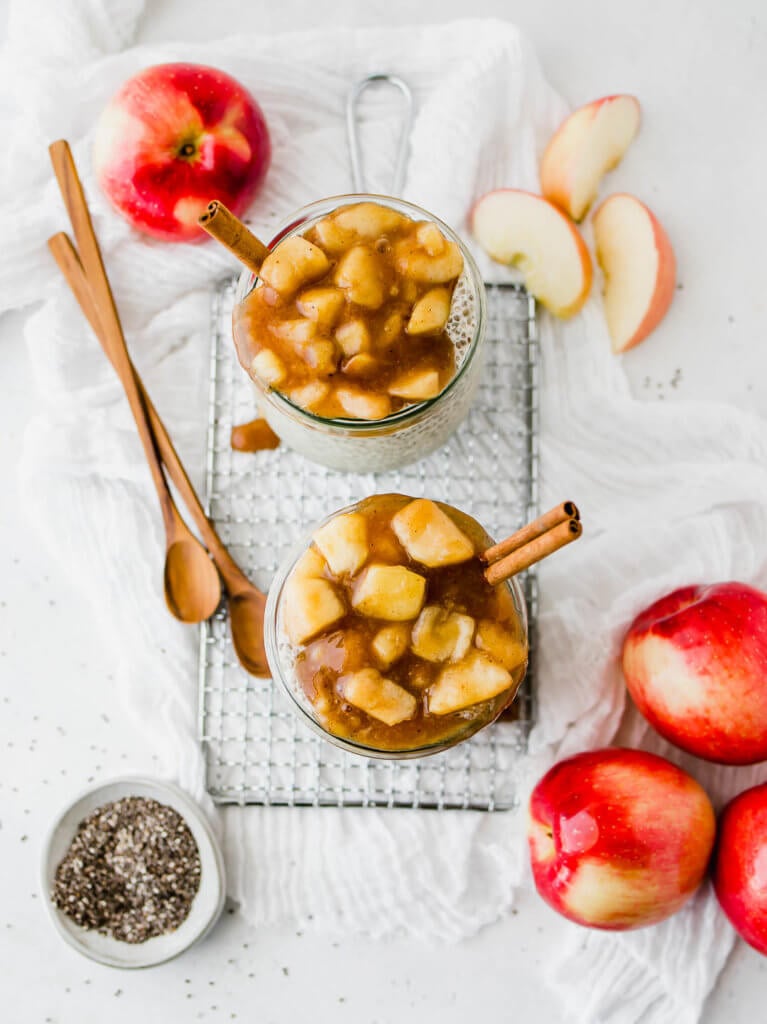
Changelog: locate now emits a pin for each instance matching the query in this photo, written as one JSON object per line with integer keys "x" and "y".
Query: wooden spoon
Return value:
{"x": 247, "y": 603}
{"x": 191, "y": 583}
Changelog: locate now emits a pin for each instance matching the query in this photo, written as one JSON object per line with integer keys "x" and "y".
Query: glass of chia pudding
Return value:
{"x": 363, "y": 332}
{"x": 385, "y": 635}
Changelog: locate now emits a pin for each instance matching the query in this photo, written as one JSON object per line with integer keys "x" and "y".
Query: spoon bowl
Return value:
{"x": 246, "y": 617}
{"x": 191, "y": 581}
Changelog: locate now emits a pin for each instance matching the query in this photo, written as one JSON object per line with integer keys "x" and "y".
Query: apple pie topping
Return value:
{"x": 394, "y": 635}
{"x": 350, "y": 319}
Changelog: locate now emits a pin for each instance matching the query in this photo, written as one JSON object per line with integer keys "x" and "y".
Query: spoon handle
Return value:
{"x": 114, "y": 340}
{"x": 70, "y": 266}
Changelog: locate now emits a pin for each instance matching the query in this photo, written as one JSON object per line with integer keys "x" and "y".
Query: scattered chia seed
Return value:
{"x": 131, "y": 871}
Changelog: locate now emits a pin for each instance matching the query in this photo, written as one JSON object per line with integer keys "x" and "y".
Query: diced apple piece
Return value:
{"x": 331, "y": 236}
{"x": 369, "y": 221}
{"x": 430, "y": 238}
{"x": 310, "y": 564}
{"x": 292, "y": 264}
{"x": 528, "y": 232}
{"x": 500, "y": 644}
{"x": 430, "y": 313}
{"x": 390, "y": 643}
{"x": 639, "y": 267}
{"x": 475, "y": 679}
{"x": 360, "y": 274}
{"x": 429, "y": 535}
{"x": 310, "y": 395}
{"x": 392, "y": 329}
{"x": 440, "y": 635}
{"x": 353, "y": 337}
{"x": 588, "y": 144}
{"x": 323, "y": 305}
{"x": 417, "y": 263}
{"x": 363, "y": 405}
{"x": 344, "y": 542}
{"x": 268, "y": 367}
{"x": 379, "y": 697}
{"x": 297, "y": 331}
{"x": 389, "y": 592}
{"x": 361, "y": 365}
{"x": 310, "y": 605}
{"x": 416, "y": 385}
{"x": 321, "y": 355}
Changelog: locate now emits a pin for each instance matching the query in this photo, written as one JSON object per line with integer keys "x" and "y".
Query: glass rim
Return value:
{"x": 246, "y": 282}
{"x": 276, "y": 664}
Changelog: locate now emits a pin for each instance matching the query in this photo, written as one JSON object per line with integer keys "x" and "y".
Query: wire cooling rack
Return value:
{"x": 256, "y": 750}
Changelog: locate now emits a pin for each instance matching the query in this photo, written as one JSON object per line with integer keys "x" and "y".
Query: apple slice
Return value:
{"x": 638, "y": 262}
{"x": 530, "y": 233}
{"x": 588, "y": 144}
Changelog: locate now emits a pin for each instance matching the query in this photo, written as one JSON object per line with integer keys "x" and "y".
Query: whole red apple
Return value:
{"x": 618, "y": 838}
{"x": 174, "y": 137}
{"x": 695, "y": 663}
{"x": 740, "y": 865}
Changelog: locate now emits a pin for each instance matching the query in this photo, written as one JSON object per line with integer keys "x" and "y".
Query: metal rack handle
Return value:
{"x": 352, "y": 125}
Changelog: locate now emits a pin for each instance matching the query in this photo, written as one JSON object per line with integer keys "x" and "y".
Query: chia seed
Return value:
{"x": 131, "y": 871}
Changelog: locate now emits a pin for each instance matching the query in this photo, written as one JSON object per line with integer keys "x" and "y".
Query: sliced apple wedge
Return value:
{"x": 389, "y": 592}
{"x": 638, "y": 262}
{"x": 528, "y": 232}
{"x": 588, "y": 144}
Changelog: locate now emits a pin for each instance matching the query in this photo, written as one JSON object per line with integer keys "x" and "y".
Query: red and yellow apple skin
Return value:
{"x": 695, "y": 663}
{"x": 618, "y": 838}
{"x": 740, "y": 865}
{"x": 174, "y": 137}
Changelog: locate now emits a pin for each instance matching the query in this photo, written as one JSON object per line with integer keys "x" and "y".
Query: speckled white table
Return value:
{"x": 700, "y": 72}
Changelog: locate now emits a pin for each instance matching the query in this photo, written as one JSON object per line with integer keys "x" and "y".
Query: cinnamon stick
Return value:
{"x": 227, "y": 229}
{"x": 560, "y": 514}
{"x": 540, "y": 547}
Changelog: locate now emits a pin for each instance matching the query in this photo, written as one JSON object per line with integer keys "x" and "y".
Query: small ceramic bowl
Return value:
{"x": 206, "y": 906}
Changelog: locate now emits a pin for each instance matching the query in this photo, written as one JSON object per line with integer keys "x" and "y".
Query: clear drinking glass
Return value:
{"x": 363, "y": 446}
{"x": 280, "y": 656}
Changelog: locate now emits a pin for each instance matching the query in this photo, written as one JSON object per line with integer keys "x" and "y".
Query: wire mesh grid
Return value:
{"x": 256, "y": 750}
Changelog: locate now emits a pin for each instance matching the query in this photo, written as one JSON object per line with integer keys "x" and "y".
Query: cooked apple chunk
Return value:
{"x": 360, "y": 274}
{"x": 416, "y": 385}
{"x": 429, "y": 536}
{"x": 344, "y": 542}
{"x": 377, "y": 695}
{"x": 331, "y": 236}
{"x": 416, "y": 262}
{"x": 298, "y": 331}
{"x": 389, "y": 592}
{"x": 369, "y": 221}
{"x": 390, "y": 643}
{"x": 310, "y": 564}
{"x": 430, "y": 313}
{"x": 500, "y": 644}
{"x": 475, "y": 679}
{"x": 363, "y": 405}
{"x": 269, "y": 368}
{"x": 361, "y": 365}
{"x": 353, "y": 337}
{"x": 323, "y": 305}
{"x": 293, "y": 263}
{"x": 441, "y": 635}
{"x": 310, "y": 395}
{"x": 430, "y": 237}
{"x": 321, "y": 355}
{"x": 311, "y": 605}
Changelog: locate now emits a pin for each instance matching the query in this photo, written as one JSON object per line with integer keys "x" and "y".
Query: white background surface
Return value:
{"x": 700, "y": 71}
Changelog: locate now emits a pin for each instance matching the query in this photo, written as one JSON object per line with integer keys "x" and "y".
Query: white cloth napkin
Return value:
{"x": 670, "y": 494}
